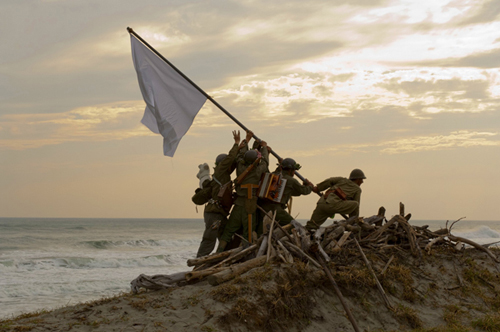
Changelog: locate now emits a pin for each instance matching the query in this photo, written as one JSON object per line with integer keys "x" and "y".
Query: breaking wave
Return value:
{"x": 90, "y": 263}
{"x": 106, "y": 244}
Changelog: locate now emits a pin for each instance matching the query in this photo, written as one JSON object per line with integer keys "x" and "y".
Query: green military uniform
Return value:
{"x": 292, "y": 188}
{"x": 242, "y": 205}
{"x": 213, "y": 210}
{"x": 326, "y": 208}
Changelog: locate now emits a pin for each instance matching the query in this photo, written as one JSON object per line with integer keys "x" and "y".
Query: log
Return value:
{"x": 475, "y": 245}
{"x": 387, "y": 265}
{"x": 282, "y": 257}
{"x": 212, "y": 258}
{"x": 353, "y": 228}
{"x": 339, "y": 294}
{"x": 329, "y": 247}
{"x": 305, "y": 241}
{"x": 156, "y": 282}
{"x": 319, "y": 233}
{"x": 301, "y": 254}
{"x": 296, "y": 237}
{"x": 202, "y": 266}
{"x": 369, "y": 266}
{"x": 340, "y": 243}
{"x": 333, "y": 235}
{"x": 235, "y": 270}
{"x": 316, "y": 245}
{"x": 237, "y": 256}
{"x": 263, "y": 246}
{"x": 383, "y": 228}
{"x": 381, "y": 211}
{"x": 270, "y": 238}
{"x": 287, "y": 255}
{"x": 410, "y": 233}
{"x": 374, "y": 220}
{"x": 441, "y": 231}
{"x": 202, "y": 274}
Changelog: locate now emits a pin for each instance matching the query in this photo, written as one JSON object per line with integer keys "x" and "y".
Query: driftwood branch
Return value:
{"x": 157, "y": 282}
{"x": 369, "y": 266}
{"x": 339, "y": 293}
{"x": 475, "y": 245}
{"x": 301, "y": 253}
{"x": 270, "y": 238}
{"x": 212, "y": 258}
{"x": 387, "y": 265}
{"x": 204, "y": 273}
{"x": 237, "y": 256}
{"x": 235, "y": 270}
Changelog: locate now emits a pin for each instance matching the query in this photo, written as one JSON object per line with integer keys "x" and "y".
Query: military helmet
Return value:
{"x": 220, "y": 158}
{"x": 357, "y": 174}
{"x": 250, "y": 156}
{"x": 289, "y": 163}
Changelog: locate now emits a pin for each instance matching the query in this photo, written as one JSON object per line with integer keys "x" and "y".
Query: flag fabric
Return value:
{"x": 171, "y": 101}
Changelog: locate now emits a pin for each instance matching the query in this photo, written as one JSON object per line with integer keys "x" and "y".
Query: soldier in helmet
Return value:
{"x": 343, "y": 196}
{"x": 287, "y": 168}
{"x": 215, "y": 213}
{"x": 249, "y": 170}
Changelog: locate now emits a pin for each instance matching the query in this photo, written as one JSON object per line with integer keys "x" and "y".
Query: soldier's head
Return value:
{"x": 220, "y": 158}
{"x": 289, "y": 165}
{"x": 250, "y": 156}
{"x": 357, "y": 176}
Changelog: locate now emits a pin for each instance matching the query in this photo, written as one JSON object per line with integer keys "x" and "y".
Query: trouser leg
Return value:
{"x": 346, "y": 207}
{"x": 322, "y": 212}
{"x": 210, "y": 234}
{"x": 283, "y": 217}
{"x": 234, "y": 223}
{"x": 325, "y": 210}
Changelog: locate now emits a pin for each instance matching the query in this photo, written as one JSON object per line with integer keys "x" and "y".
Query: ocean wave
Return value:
{"x": 107, "y": 244}
{"x": 481, "y": 234}
{"x": 80, "y": 228}
{"x": 90, "y": 263}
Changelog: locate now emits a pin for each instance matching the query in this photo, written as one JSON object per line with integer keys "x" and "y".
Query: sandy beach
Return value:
{"x": 445, "y": 291}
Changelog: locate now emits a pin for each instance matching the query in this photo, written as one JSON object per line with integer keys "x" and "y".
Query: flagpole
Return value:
{"x": 132, "y": 32}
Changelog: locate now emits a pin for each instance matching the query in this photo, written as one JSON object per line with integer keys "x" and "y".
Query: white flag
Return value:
{"x": 172, "y": 102}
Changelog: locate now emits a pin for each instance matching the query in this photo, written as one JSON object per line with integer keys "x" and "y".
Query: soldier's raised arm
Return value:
{"x": 328, "y": 183}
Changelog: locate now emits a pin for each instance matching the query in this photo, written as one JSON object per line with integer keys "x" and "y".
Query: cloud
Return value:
{"x": 87, "y": 124}
{"x": 453, "y": 140}
{"x": 462, "y": 89}
{"x": 485, "y": 60}
{"x": 459, "y": 139}
{"x": 484, "y": 12}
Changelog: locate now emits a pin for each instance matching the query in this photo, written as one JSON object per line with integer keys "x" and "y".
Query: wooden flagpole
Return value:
{"x": 132, "y": 32}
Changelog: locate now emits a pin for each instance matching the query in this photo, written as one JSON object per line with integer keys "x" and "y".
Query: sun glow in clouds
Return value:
{"x": 90, "y": 124}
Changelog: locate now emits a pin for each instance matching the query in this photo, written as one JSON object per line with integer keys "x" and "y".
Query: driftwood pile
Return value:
{"x": 294, "y": 243}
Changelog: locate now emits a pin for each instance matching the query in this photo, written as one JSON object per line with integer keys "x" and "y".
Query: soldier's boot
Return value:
{"x": 222, "y": 246}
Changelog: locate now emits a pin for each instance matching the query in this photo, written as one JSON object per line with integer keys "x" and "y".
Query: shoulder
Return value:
{"x": 290, "y": 179}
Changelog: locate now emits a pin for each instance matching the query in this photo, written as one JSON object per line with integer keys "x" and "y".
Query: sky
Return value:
{"x": 407, "y": 91}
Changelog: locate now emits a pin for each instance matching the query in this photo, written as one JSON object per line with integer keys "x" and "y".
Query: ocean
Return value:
{"x": 47, "y": 263}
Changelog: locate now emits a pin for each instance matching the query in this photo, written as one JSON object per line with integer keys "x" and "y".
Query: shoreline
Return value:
{"x": 446, "y": 289}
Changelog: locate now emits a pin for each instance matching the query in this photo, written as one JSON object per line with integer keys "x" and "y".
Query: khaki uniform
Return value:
{"x": 214, "y": 213}
{"x": 242, "y": 205}
{"x": 326, "y": 208}
{"x": 292, "y": 188}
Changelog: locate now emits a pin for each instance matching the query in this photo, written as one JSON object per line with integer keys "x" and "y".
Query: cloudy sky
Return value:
{"x": 408, "y": 91}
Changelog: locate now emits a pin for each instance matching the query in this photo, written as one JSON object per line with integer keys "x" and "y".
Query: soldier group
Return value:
{"x": 219, "y": 194}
